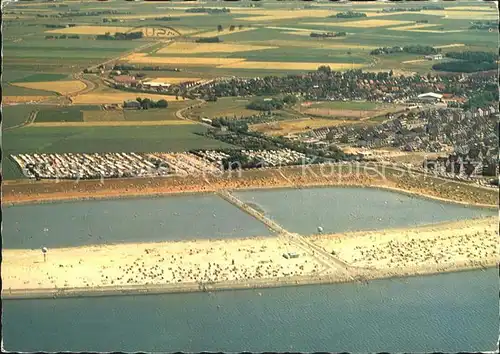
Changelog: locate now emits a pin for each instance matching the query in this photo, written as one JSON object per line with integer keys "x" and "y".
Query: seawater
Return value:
{"x": 353, "y": 209}
{"x": 448, "y": 312}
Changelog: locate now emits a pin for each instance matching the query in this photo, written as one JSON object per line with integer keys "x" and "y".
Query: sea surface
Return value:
{"x": 448, "y": 313}
{"x": 78, "y": 223}
{"x": 353, "y": 209}
{"x": 186, "y": 217}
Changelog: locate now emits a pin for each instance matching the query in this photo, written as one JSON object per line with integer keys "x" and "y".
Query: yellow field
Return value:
{"x": 413, "y": 27}
{"x": 450, "y": 45}
{"x": 472, "y": 8}
{"x": 173, "y": 80}
{"x": 103, "y": 116}
{"x": 437, "y": 31}
{"x": 277, "y": 65}
{"x": 90, "y": 30}
{"x": 413, "y": 61}
{"x": 195, "y": 48}
{"x": 150, "y": 32}
{"x": 61, "y": 87}
{"x": 112, "y": 123}
{"x": 285, "y": 127}
{"x": 23, "y": 99}
{"x": 463, "y": 15}
{"x": 273, "y": 15}
{"x": 223, "y": 33}
{"x": 141, "y": 58}
{"x": 118, "y": 97}
{"x": 363, "y": 23}
{"x": 298, "y": 33}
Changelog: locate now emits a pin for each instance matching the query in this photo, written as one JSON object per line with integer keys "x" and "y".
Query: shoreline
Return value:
{"x": 254, "y": 284}
{"x": 107, "y": 195}
{"x": 209, "y": 265}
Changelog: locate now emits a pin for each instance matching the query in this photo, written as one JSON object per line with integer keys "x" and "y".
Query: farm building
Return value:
{"x": 430, "y": 97}
{"x": 434, "y": 57}
{"x": 131, "y": 105}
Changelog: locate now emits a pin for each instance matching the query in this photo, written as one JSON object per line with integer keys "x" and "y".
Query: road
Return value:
{"x": 179, "y": 113}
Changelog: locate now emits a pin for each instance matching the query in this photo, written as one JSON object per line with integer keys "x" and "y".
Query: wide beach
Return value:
{"x": 246, "y": 263}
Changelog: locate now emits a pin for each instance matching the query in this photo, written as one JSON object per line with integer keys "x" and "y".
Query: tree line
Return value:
{"x": 147, "y": 103}
{"x": 468, "y": 62}
{"x": 208, "y": 10}
{"x": 63, "y": 36}
{"x": 270, "y": 104}
{"x": 328, "y": 34}
{"x": 413, "y": 49}
{"x": 349, "y": 14}
{"x": 120, "y": 36}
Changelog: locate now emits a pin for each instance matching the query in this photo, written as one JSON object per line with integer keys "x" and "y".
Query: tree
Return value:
{"x": 231, "y": 28}
{"x": 146, "y": 103}
{"x": 162, "y": 104}
{"x": 220, "y": 28}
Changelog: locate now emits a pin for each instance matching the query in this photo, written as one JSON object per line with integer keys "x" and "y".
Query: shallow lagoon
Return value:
{"x": 204, "y": 216}
{"x": 353, "y": 209}
{"x": 66, "y": 224}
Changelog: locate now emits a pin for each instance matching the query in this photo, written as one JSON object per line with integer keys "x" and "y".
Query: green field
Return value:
{"x": 155, "y": 114}
{"x": 224, "y": 107}
{"x": 101, "y": 139}
{"x": 350, "y": 105}
{"x": 63, "y": 114}
{"x": 11, "y": 90}
{"x": 41, "y": 77}
{"x": 13, "y": 116}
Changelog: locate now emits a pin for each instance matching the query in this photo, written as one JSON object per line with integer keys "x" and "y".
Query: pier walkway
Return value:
{"x": 326, "y": 259}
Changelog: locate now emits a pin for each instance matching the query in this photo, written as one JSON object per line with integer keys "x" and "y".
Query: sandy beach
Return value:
{"x": 251, "y": 262}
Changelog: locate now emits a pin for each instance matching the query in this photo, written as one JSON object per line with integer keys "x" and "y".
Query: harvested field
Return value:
{"x": 223, "y": 33}
{"x": 353, "y": 110}
{"x": 362, "y": 23}
{"x": 195, "y": 48}
{"x": 436, "y": 31}
{"x": 277, "y": 65}
{"x": 23, "y": 99}
{"x": 413, "y": 61}
{"x": 291, "y": 126}
{"x": 283, "y": 14}
{"x": 141, "y": 58}
{"x": 479, "y": 7}
{"x": 112, "y": 123}
{"x": 118, "y": 97}
{"x": 325, "y": 112}
{"x": 299, "y": 33}
{"x": 90, "y": 30}
{"x": 61, "y": 87}
{"x": 152, "y": 32}
{"x": 173, "y": 80}
{"x": 450, "y": 45}
{"x": 413, "y": 27}
{"x": 463, "y": 15}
